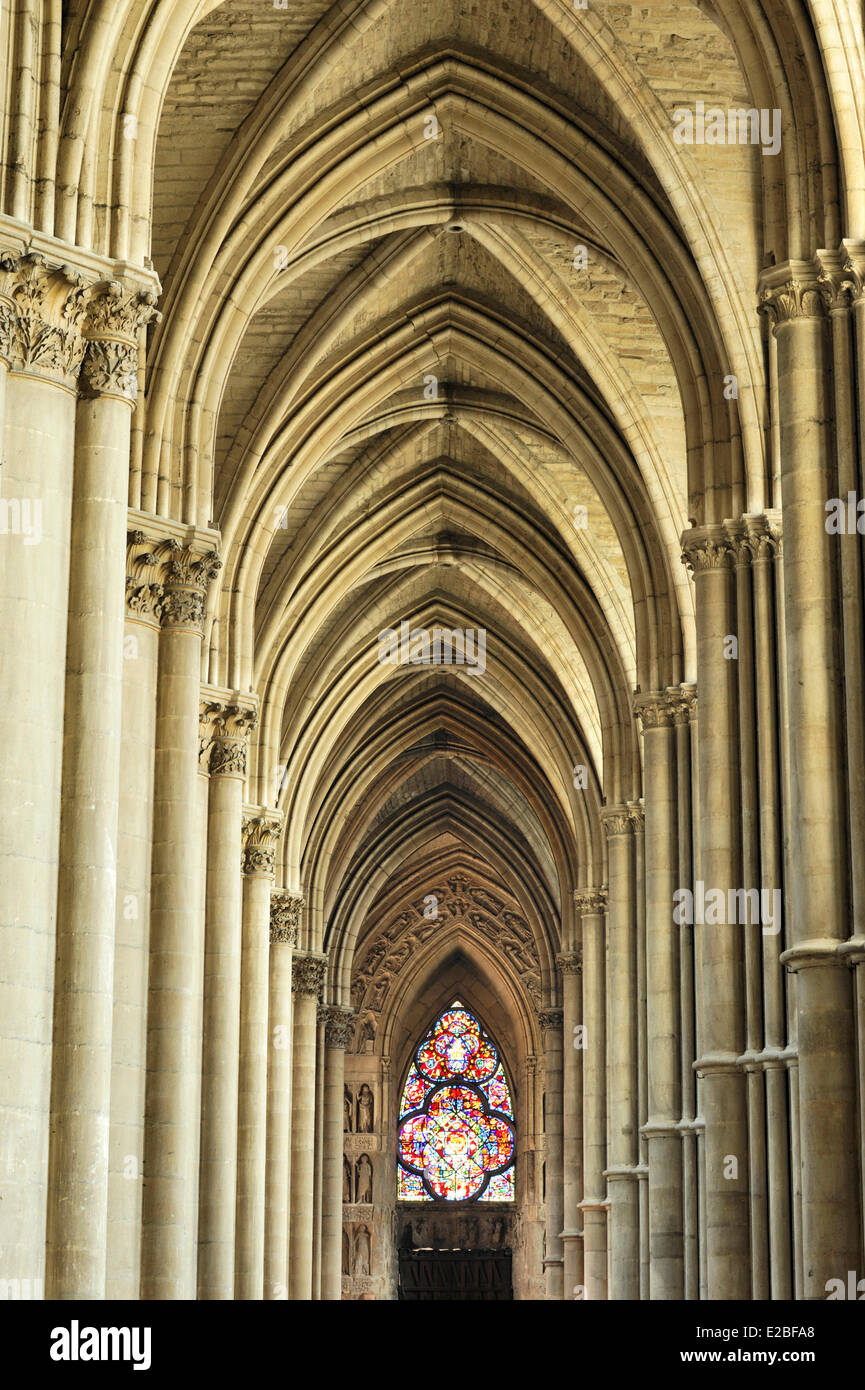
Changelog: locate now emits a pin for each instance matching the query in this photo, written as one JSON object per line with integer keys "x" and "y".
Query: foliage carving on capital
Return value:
{"x": 796, "y": 298}
{"x": 111, "y": 369}
{"x": 683, "y": 699}
{"x": 616, "y": 820}
{"x": 338, "y": 1026}
{"x": 115, "y": 317}
{"x": 307, "y": 974}
{"x": 47, "y": 316}
{"x": 260, "y": 837}
{"x": 637, "y": 815}
{"x": 762, "y": 535}
{"x": 656, "y": 711}
{"x": 570, "y": 962}
{"x": 188, "y": 575}
{"x": 550, "y": 1018}
{"x": 706, "y": 548}
{"x": 285, "y": 910}
{"x": 590, "y": 901}
{"x": 229, "y": 729}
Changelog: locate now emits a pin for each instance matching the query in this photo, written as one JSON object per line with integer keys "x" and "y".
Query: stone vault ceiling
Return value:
{"x": 446, "y": 319}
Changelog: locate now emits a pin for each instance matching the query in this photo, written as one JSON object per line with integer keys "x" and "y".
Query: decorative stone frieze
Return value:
{"x": 260, "y": 838}
{"x": 285, "y": 910}
{"x": 307, "y": 974}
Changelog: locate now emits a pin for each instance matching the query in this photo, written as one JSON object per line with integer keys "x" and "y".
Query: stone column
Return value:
{"x": 819, "y": 846}
{"x": 318, "y": 1149}
{"x": 591, "y": 903}
{"x": 132, "y": 938}
{"x": 260, "y": 835}
{"x": 285, "y": 910}
{"x": 551, "y": 1027}
{"x": 40, "y": 321}
{"x": 764, "y": 543}
{"x": 170, "y": 1203}
{"x": 708, "y": 553}
{"x": 570, "y": 964}
{"x": 666, "y": 1244}
{"x": 623, "y": 1154}
{"x": 684, "y": 709}
{"x": 637, "y": 815}
{"x": 338, "y": 1030}
{"x": 230, "y": 722}
{"x": 87, "y": 881}
{"x": 308, "y": 971}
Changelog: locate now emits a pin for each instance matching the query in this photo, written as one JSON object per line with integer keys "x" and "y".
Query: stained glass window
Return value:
{"x": 456, "y": 1126}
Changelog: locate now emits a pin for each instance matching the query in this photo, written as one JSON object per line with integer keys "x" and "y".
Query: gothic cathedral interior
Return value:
{"x": 432, "y": 649}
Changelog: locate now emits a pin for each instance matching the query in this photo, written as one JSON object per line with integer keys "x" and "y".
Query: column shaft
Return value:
{"x": 551, "y": 1024}
{"x": 593, "y": 1204}
{"x": 307, "y": 976}
{"x": 663, "y": 1012}
{"x": 170, "y": 1204}
{"x": 338, "y": 1031}
{"x": 723, "y": 999}
{"x": 260, "y": 834}
{"x": 570, "y": 964}
{"x": 284, "y": 913}
{"x": 34, "y": 568}
{"x": 623, "y": 1154}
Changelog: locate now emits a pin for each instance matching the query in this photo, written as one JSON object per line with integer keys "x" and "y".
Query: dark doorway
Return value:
{"x": 455, "y": 1275}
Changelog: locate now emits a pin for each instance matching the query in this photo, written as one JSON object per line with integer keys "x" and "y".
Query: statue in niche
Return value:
{"x": 346, "y": 1180}
{"x": 361, "y": 1253}
{"x": 346, "y": 1110}
{"x": 346, "y": 1253}
{"x": 364, "y": 1110}
{"x": 364, "y": 1179}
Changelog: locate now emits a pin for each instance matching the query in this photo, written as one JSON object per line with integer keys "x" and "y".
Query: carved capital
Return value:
{"x": 616, "y": 820}
{"x": 590, "y": 901}
{"x": 683, "y": 699}
{"x": 115, "y": 317}
{"x": 338, "y": 1026}
{"x": 657, "y": 710}
{"x": 224, "y": 728}
{"x": 758, "y": 535}
{"x": 791, "y": 292}
{"x": 637, "y": 815}
{"x": 260, "y": 837}
{"x": 44, "y": 316}
{"x": 285, "y": 910}
{"x": 570, "y": 962}
{"x": 188, "y": 576}
{"x": 706, "y": 548}
{"x": 842, "y": 276}
{"x": 307, "y": 974}
{"x": 550, "y": 1018}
